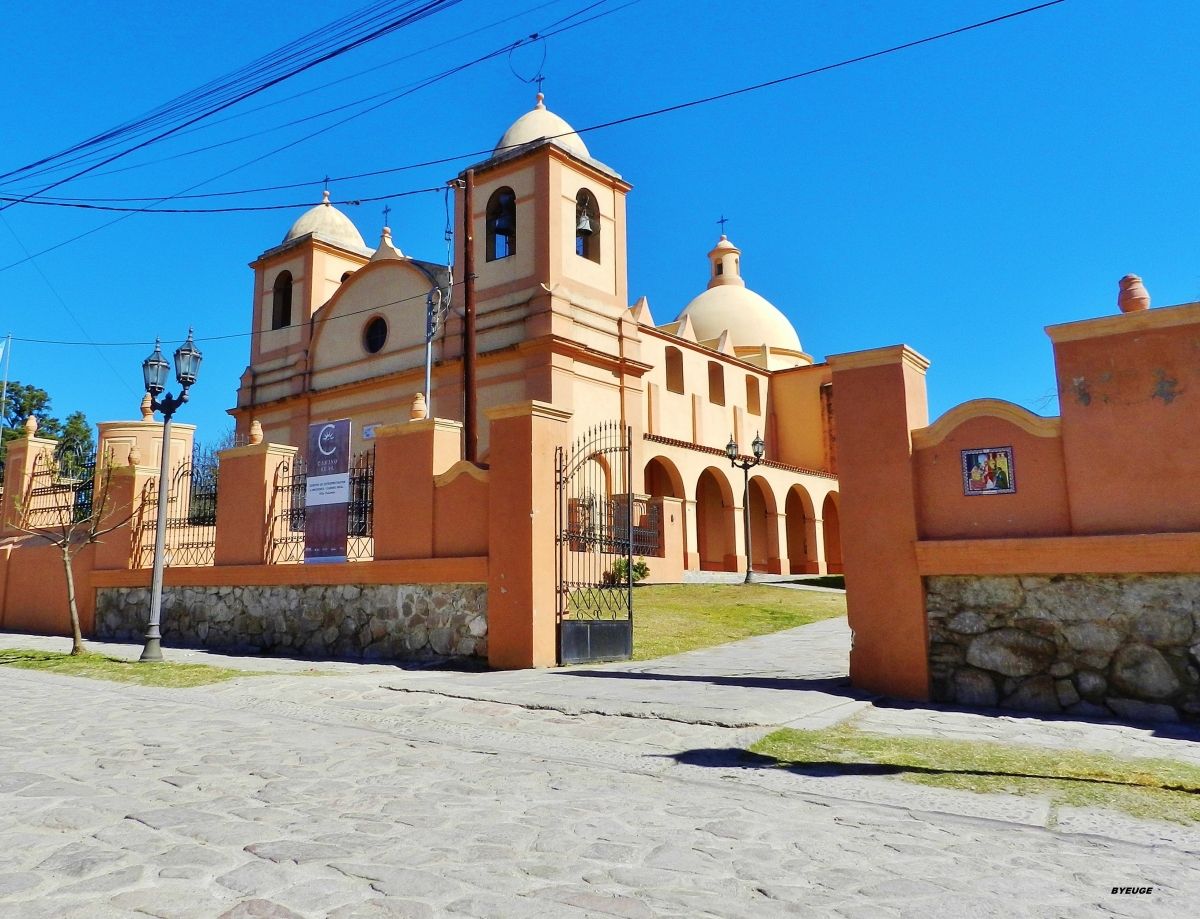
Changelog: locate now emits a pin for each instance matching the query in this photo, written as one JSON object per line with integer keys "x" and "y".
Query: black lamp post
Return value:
{"x": 731, "y": 450}
{"x": 154, "y": 370}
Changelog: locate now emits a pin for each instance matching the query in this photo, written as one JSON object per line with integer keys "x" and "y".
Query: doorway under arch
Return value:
{"x": 801, "y": 532}
{"x": 715, "y": 537}
{"x": 833, "y": 534}
{"x": 764, "y": 538}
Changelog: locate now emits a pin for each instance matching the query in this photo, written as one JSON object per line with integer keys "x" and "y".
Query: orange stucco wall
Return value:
{"x": 1039, "y": 507}
{"x": 33, "y": 588}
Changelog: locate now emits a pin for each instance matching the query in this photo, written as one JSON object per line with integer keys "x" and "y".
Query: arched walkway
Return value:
{"x": 764, "y": 529}
{"x": 663, "y": 479}
{"x": 716, "y": 539}
{"x": 833, "y": 534}
{"x": 801, "y": 532}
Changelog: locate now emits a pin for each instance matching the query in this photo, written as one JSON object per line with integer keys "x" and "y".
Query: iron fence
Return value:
{"x": 191, "y": 532}
{"x": 61, "y": 489}
{"x": 286, "y": 542}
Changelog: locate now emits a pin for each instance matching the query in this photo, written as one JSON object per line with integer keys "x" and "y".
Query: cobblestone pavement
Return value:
{"x": 335, "y": 796}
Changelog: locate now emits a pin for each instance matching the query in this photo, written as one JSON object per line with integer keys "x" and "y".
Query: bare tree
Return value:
{"x": 65, "y": 502}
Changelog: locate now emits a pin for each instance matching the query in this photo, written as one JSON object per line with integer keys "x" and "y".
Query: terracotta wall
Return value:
{"x": 1099, "y": 491}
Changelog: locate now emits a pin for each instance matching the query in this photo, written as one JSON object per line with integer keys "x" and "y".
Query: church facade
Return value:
{"x": 341, "y": 333}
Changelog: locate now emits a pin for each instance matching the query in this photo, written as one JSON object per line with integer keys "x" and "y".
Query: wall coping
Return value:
{"x": 471, "y": 570}
{"x": 417, "y": 426}
{"x": 934, "y": 434}
{"x": 462, "y": 467}
{"x": 878, "y": 357}
{"x": 257, "y": 450}
{"x": 1148, "y": 553}
{"x": 532, "y": 408}
{"x": 1140, "y": 321}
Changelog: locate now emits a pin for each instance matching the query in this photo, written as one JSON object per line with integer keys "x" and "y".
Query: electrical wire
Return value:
{"x": 230, "y": 210}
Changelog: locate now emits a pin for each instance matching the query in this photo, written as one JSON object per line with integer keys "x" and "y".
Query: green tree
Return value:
{"x": 24, "y": 400}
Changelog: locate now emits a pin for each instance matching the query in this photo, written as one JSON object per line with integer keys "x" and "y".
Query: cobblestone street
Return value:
{"x": 336, "y": 796}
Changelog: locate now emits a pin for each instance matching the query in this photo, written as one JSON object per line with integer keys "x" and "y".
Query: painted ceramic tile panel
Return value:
{"x": 988, "y": 471}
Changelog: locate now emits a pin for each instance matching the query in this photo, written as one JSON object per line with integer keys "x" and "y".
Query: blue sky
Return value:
{"x": 957, "y": 197}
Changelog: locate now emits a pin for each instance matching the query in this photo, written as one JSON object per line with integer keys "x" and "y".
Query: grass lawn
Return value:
{"x": 670, "y": 618}
{"x": 1149, "y": 788}
{"x": 102, "y": 667}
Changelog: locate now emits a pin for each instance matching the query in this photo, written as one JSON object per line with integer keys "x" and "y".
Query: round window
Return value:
{"x": 375, "y": 335}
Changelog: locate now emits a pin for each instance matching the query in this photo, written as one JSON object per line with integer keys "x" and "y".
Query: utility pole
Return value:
{"x": 471, "y": 410}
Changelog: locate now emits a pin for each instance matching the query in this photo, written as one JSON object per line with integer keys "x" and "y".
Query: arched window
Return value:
{"x": 674, "y": 370}
{"x": 753, "y": 403}
{"x": 281, "y": 302}
{"x": 501, "y": 224}
{"x": 716, "y": 383}
{"x": 587, "y": 226}
{"x": 375, "y": 335}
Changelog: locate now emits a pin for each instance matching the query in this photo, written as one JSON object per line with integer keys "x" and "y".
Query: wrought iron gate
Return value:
{"x": 594, "y": 538}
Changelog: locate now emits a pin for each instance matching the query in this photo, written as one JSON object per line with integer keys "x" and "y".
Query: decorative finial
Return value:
{"x": 256, "y": 434}
{"x": 387, "y": 209}
{"x": 418, "y": 412}
{"x": 724, "y": 220}
{"x": 541, "y": 100}
{"x": 147, "y": 407}
{"x": 1133, "y": 295}
{"x": 31, "y": 425}
{"x": 325, "y": 198}
{"x": 387, "y": 235}
{"x": 135, "y": 455}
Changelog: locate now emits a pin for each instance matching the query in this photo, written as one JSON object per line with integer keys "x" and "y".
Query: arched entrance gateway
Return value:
{"x": 833, "y": 534}
{"x": 716, "y": 541}
{"x": 801, "y": 532}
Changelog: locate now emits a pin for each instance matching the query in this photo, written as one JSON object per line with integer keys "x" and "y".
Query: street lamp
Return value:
{"x": 731, "y": 450}
{"x": 155, "y": 369}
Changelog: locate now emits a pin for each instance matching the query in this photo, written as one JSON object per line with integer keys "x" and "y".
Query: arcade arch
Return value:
{"x": 833, "y": 534}
{"x": 801, "y": 531}
{"x": 716, "y": 539}
{"x": 764, "y": 538}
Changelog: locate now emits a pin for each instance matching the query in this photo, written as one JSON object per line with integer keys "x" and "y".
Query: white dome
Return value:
{"x": 537, "y": 124}
{"x": 330, "y": 224}
{"x": 751, "y": 320}
{"x": 727, "y": 305}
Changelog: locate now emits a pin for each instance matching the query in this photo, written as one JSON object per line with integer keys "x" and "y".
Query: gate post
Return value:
{"x": 522, "y": 596}
{"x": 247, "y": 476}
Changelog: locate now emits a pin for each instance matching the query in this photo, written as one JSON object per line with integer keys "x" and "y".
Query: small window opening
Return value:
{"x": 720, "y": 268}
{"x": 501, "y": 224}
{"x": 753, "y": 405}
{"x": 281, "y": 301}
{"x": 375, "y": 335}
{"x": 674, "y": 370}
{"x": 716, "y": 383}
{"x": 587, "y": 226}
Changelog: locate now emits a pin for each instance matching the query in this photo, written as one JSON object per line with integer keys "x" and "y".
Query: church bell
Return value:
{"x": 586, "y": 225}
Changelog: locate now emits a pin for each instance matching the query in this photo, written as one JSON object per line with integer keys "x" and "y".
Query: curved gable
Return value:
{"x": 394, "y": 289}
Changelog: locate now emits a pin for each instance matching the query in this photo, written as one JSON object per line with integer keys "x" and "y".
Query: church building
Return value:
{"x": 341, "y": 333}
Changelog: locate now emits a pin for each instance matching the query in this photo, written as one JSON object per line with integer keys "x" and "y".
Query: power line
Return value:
{"x": 655, "y": 112}
{"x": 225, "y": 210}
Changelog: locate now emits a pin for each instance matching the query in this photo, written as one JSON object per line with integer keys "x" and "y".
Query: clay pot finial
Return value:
{"x": 30, "y": 426}
{"x": 419, "y": 411}
{"x": 135, "y": 456}
{"x": 256, "y": 434}
{"x": 147, "y": 411}
{"x": 1133, "y": 295}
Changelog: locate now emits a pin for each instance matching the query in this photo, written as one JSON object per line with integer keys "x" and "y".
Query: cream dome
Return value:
{"x": 728, "y": 305}
{"x": 327, "y": 222}
{"x": 538, "y": 124}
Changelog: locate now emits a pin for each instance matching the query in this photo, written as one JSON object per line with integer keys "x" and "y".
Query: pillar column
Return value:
{"x": 18, "y": 467}
{"x": 691, "y": 535}
{"x": 776, "y": 541}
{"x": 247, "y": 485}
{"x": 407, "y": 457}
{"x": 522, "y": 629}
{"x": 880, "y": 399}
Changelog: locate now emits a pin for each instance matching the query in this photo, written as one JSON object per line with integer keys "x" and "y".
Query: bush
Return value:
{"x": 620, "y": 572}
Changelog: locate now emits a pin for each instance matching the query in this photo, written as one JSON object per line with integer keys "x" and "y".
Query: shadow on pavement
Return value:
{"x": 834, "y": 685}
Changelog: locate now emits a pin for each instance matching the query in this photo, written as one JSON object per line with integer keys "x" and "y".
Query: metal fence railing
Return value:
{"x": 285, "y": 543}
{"x": 191, "y": 532}
{"x": 60, "y": 489}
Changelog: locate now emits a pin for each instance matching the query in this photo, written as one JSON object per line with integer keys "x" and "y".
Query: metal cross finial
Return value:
{"x": 327, "y": 183}
{"x": 387, "y": 209}
{"x": 724, "y": 220}
{"x": 539, "y": 79}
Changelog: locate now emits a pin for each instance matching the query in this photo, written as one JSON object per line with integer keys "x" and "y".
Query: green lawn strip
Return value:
{"x": 103, "y": 667}
{"x": 670, "y": 618}
{"x": 1149, "y": 788}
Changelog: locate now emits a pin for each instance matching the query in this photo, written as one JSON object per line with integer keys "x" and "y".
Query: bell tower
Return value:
{"x": 550, "y": 271}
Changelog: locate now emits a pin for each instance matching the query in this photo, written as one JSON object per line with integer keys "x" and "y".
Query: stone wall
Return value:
{"x": 372, "y": 622}
{"x": 1094, "y": 645}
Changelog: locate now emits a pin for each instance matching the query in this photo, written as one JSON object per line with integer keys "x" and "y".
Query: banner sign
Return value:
{"x": 327, "y": 492}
